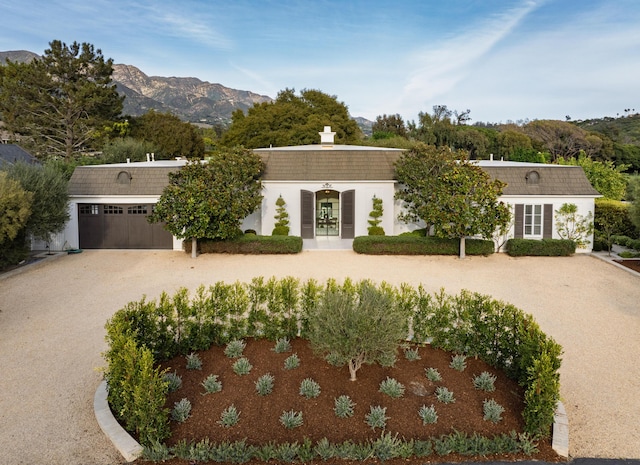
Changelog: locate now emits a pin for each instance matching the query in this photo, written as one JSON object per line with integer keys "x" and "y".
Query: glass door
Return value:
{"x": 327, "y": 213}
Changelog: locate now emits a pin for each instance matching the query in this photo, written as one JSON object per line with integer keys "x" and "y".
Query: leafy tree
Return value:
{"x": 357, "y": 329}
{"x": 60, "y": 101}
{"x": 573, "y": 226}
{"x": 169, "y": 135}
{"x": 210, "y": 200}
{"x": 15, "y": 207}
{"x": 634, "y": 213}
{"x": 454, "y": 197}
{"x": 391, "y": 125}
{"x": 604, "y": 176}
{"x": 121, "y": 149}
{"x": 374, "y": 223}
{"x": 281, "y": 227}
{"x": 50, "y": 201}
{"x": 512, "y": 141}
{"x": 566, "y": 140}
{"x": 473, "y": 140}
{"x": 609, "y": 219}
{"x": 291, "y": 120}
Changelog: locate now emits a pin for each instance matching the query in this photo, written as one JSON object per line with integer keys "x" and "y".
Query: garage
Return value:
{"x": 120, "y": 226}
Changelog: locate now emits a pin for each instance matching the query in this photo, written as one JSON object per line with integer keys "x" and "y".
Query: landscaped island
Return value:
{"x": 237, "y": 373}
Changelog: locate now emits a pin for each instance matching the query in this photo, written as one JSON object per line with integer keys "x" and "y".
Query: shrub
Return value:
{"x": 282, "y": 345}
{"x": 194, "y": 362}
{"x": 309, "y": 388}
{"x": 211, "y": 384}
{"x": 377, "y": 417}
{"x": 412, "y": 354}
{"x": 242, "y": 366}
{"x": 540, "y": 248}
{"x": 181, "y": 410}
{"x": 433, "y": 374}
{"x": 282, "y": 219}
{"x": 235, "y": 348}
{"x": 428, "y": 415}
{"x": 174, "y": 381}
{"x": 343, "y": 407}
{"x": 291, "y": 362}
{"x": 376, "y": 213}
{"x": 413, "y": 244}
{"x": 485, "y": 381}
{"x": 458, "y": 362}
{"x": 444, "y": 395}
{"x": 264, "y": 384}
{"x": 229, "y": 417}
{"x": 392, "y": 388}
{"x": 291, "y": 419}
{"x": 492, "y": 411}
{"x": 250, "y": 244}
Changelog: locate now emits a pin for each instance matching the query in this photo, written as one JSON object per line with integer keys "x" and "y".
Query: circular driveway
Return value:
{"x": 52, "y": 318}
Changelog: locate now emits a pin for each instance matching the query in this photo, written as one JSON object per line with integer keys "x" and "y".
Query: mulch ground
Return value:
{"x": 259, "y": 415}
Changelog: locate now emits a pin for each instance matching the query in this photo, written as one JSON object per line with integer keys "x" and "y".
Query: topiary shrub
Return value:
{"x": 282, "y": 219}
{"x": 540, "y": 248}
{"x": 374, "y": 223}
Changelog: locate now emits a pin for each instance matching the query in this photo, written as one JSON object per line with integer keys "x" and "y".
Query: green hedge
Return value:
{"x": 416, "y": 245}
{"x": 250, "y": 244}
{"x": 469, "y": 323}
{"x": 626, "y": 241}
{"x": 541, "y": 248}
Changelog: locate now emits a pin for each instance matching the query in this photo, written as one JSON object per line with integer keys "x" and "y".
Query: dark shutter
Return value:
{"x": 547, "y": 221}
{"x": 348, "y": 214}
{"x": 518, "y": 223}
{"x": 306, "y": 214}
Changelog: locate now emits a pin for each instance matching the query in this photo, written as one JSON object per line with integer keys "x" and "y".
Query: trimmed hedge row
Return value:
{"x": 416, "y": 245}
{"x": 541, "y": 248}
{"x": 250, "y": 244}
{"x": 469, "y": 323}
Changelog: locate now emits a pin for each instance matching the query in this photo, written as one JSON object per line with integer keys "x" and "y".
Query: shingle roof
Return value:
{"x": 11, "y": 154}
{"x": 329, "y": 164}
{"x": 551, "y": 179}
{"x": 119, "y": 180}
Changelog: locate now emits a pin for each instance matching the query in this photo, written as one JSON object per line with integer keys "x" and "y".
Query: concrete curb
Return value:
{"x": 44, "y": 259}
{"x": 126, "y": 445}
{"x": 560, "y": 439}
{"x": 132, "y": 450}
{"x": 611, "y": 260}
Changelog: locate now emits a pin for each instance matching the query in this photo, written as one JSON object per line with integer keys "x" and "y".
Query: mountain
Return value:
{"x": 188, "y": 98}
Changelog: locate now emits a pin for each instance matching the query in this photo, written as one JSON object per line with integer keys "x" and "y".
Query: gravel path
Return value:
{"x": 52, "y": 320}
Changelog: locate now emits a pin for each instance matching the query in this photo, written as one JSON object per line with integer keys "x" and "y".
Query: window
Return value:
{"x": 113, "y": 210}
{"x": 89, "y": 209}
{"x": 533, "y": 220}
{"x": 137, "y": 210}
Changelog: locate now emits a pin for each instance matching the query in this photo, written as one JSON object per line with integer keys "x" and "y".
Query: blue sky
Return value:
{"x": 502, "y": 59}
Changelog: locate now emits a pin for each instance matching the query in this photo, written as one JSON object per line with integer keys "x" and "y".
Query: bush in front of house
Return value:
{"x": 250, "y": 244}
{"x": 414, "y": 244}
{"x": 540, "y": 248}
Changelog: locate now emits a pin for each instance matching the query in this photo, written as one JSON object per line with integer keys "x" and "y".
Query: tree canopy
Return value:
{"x": 291, "y": 120}
{"x": 604, "y": 176}
{"x": 453, "y": 196}
{"x": 15, "y": 208}
{"x": 210, "y": 199}
{"x": 61, "y": 101}
{"x": 169, "y": 136}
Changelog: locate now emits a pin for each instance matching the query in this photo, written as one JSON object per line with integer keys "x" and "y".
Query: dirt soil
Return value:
{"x": 631, "y": 264}
{"x": 259, "y": 415}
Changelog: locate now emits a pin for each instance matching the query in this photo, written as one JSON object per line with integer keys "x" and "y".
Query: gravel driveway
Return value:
{"x": 52, "y": 319}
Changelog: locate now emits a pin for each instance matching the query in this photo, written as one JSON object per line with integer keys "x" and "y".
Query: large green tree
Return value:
{"x": 210, "y": 199}
{"x": 170, "y": 136}
{"x": 291, "y": 120}
{"x": 604, "y": 176}
{"x": 61, "y": 101}
{"x": 50, "y": 202}
{"x": 453, "y": 196}
{"x": 15, "y": 209}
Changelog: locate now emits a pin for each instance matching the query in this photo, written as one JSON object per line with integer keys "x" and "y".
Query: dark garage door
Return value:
{"x": 120, "y": 226}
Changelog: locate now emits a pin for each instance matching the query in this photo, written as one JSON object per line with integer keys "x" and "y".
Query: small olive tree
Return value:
{"x": 354, "y": 328}
{"x": 573, "y": 226}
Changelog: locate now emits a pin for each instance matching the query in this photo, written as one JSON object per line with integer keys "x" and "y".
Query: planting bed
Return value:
{"x": 259, "y": 415}
{"x": 631, "y": 264}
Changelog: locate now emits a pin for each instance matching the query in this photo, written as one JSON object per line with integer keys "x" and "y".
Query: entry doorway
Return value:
{"x": 327, "y": 213}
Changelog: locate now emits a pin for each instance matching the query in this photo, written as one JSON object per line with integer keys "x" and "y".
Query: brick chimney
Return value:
{"x": 326, "y": 137}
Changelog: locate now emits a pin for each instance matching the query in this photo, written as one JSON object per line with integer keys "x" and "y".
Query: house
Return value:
{"x": 328, "y": 190}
